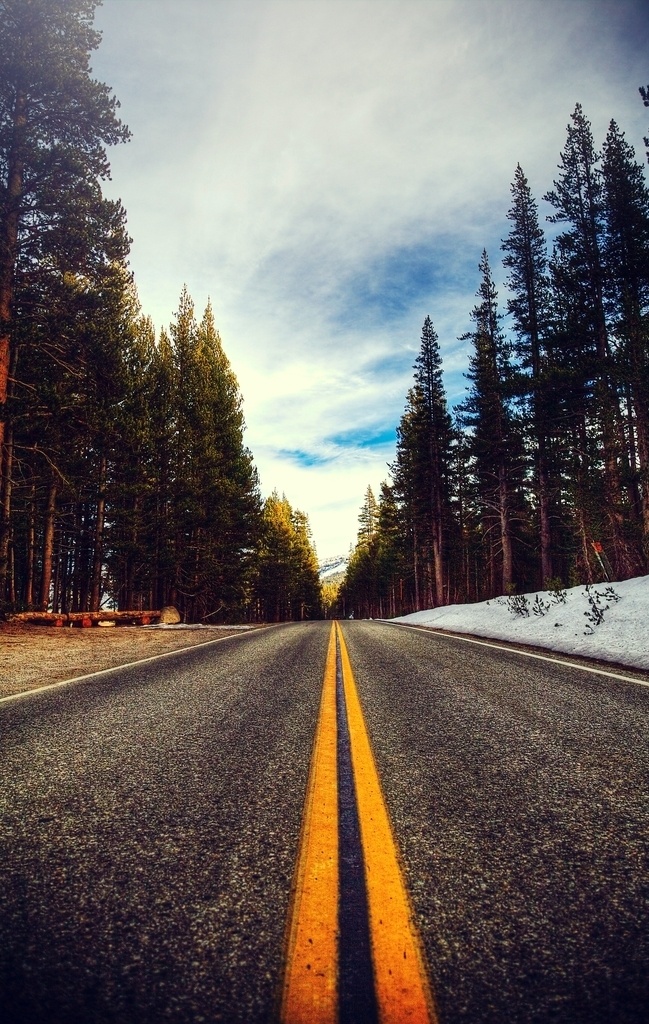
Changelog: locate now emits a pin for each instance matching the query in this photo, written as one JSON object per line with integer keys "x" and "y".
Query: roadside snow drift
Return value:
{"x": 609, "y": 621}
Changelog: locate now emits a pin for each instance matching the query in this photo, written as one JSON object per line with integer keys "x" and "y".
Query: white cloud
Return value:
{"x": 296, "y": 161}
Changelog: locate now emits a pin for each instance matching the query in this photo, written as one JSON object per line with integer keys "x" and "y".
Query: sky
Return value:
{"x": 327, "y": 172}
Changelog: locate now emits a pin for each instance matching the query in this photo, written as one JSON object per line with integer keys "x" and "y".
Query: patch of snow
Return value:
{"x": 333, "y": 567}
{"x": 622, "y": 636}
{"x": 192, "y": 625}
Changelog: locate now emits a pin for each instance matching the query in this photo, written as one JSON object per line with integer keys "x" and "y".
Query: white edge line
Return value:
{"x": 128, "y": 664}
{"x": 516, "y": 650}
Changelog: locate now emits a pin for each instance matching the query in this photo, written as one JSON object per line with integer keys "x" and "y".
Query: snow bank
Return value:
{"x": 622, "y": 636}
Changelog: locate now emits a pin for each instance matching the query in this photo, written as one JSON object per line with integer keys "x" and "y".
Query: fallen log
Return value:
{"x": 130, "y": 618}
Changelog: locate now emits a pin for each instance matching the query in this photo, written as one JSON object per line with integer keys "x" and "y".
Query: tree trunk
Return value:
{"x": 5, "y": 511}
{"x": 31, "y": 549}
{"x": 9, "y": 247}
{"x": 438, "y": 539}
{"x": 545, "y": 529}
{"x": 505, "y": 529}
{"x": 48, "y": 544}
{"x": 97, "y": 562}
{"x": 416, "y": 570}
{"x": 640, "y": 389}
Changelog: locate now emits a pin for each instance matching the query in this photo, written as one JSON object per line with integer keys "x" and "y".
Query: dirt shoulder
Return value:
{"x": 33, "y": 656}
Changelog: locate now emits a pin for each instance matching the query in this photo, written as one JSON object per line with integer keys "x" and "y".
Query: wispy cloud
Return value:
{"x": 328, "y": 171}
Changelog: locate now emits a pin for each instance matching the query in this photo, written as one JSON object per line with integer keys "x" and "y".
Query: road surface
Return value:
{"x": 152, "y": 820}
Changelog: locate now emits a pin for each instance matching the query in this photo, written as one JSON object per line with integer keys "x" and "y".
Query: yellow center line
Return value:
{"x": 310, "y": 994}
{"x": 310, "y": 990}
{"x": 402, "y": 989}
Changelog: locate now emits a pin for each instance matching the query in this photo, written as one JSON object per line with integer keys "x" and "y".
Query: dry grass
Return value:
{"x": 32, "y": 656}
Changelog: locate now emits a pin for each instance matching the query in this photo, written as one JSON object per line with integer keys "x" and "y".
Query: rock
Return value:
{"x": 106, "y": 622}
{"x": 169, "y": 615}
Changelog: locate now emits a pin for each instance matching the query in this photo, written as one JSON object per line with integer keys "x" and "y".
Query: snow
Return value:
{"x": 333, "y": 567}
{"x": 622, "y": 636}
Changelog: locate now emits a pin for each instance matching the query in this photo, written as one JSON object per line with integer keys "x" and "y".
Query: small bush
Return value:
{"x": 595, "y": 614}
{"x": 558, "y": 594}
{"x": 518, "y": 605}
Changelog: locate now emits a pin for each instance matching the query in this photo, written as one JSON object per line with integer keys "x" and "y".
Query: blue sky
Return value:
{"x": 328, "y": 172}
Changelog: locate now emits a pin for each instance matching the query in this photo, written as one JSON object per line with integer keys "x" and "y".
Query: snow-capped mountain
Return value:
{"x": 335, "y": 566}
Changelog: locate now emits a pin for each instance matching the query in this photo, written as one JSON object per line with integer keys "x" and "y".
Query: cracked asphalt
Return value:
{"x": 150, "y": 821}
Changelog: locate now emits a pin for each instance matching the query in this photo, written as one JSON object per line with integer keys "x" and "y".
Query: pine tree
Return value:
{"x": 410, "y": 473}
{"x": 437, "y": 441}
{"x": 288, "y": 585}
{"x": 495, "y": 443}
{"x": 391, "y": 554}
{"x": 644, "y": 92}
{"x": 55, "y": 124}
{"x": 529, "y": 305}
{"x": 578, "y": 199}
{"x": 626, "y": 260}
{"x": 368, "y": 518}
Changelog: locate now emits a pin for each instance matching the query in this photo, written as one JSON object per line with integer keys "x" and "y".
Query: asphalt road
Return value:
{"x": 151, "y": 819}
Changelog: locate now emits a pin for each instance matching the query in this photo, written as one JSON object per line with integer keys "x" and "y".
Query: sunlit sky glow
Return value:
{"x": 328, "y": 172}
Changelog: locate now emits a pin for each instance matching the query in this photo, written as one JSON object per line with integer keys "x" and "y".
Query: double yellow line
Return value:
{"x": 310, "y": 994}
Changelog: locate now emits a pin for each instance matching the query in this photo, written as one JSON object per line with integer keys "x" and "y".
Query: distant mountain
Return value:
{"x": 331, "y": 568}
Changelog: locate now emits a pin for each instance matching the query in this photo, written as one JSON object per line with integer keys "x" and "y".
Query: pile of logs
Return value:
{"x": 87, "y": 618}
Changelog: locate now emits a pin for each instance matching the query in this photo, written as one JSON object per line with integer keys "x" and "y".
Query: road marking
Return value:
{"x": 311, "y": 991}
{"x": 402, "y": 989}
{"x": 311, "y": 980}
{"x": 128, "y": 664}
{"x": 516, "y": 650}
{"x": 356, "y": 985}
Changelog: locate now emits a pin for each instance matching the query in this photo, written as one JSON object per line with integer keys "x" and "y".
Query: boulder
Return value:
{"x": 169, "y": 615}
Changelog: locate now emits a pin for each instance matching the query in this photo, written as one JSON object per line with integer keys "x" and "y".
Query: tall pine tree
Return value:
{"x": 495, "y": 443}
{"x": 579, "y": 202}
{"x": 55, "y": 124}
{"x": 529, "y": 304}
{"x": 437, "y": 450}
{"x": 626, "y": 260}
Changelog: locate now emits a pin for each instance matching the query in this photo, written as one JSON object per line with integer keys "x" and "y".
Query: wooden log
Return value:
{"x": 86, "y": 618}
{"x": 108, "y": 616}
{"x": 40, "y": 618}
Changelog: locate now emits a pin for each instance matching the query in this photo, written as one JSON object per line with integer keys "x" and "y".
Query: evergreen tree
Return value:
{"x": 410, "y": 472}
{"x": 391, "y": 553}
{"x": 212, "y": 491}
{"x": 374, "y": 584}
{"x": 579, "y": 202}
{"x": 495, "y": 443}
{"x": 368, "y": 518}
{"x": 529, "y": 305}
{"x": 626, "y": 260}
{"x": 436, "y": 439}
{"x": 55, "y": 124}
{"x": 644, "y": 92}
{"x": 287, "y": 585}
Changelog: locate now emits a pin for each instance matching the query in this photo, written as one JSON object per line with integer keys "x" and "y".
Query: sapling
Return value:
{"x": 518, "y": 605}
{"x": 595, "y": 615}
{"x": 540, "y": 607}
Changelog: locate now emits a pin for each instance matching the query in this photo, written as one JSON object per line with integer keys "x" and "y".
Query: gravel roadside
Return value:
{"x": 33, "y": 656}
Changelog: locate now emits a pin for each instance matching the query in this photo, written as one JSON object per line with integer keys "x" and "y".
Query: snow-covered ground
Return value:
{"x": 571, "y": 626}
{"x": 333, "y": 567}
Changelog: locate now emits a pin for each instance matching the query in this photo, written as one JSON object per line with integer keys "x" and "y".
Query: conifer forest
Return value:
{"x": 540, "y": 477}
{"x": 125, "y": 478}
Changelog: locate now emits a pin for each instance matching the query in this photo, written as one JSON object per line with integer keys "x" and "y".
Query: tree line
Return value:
{"x": 124, "y": 476}
{"x": 541, "y": 474}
